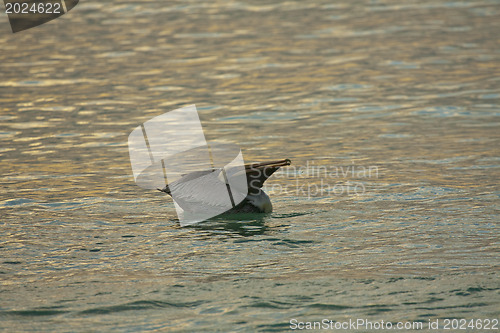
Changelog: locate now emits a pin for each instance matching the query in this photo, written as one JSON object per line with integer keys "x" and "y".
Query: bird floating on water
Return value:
{"x": 256, "y": 200}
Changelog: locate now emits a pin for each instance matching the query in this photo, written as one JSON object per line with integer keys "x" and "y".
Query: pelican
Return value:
{"x": 256, "y": 200}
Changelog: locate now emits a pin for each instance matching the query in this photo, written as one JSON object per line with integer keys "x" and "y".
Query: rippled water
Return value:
{"x": 388, "y": 110}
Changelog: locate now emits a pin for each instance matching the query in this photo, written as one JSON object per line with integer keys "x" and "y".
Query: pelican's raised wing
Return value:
{"x": 203, "y": 192}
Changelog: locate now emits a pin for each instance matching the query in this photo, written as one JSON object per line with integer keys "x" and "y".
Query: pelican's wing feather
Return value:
{"x": 200, "y": 192}
{"x": 186, "y": 178}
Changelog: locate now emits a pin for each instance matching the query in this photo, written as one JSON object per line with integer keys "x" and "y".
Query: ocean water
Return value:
{"x": 388, "y": 110}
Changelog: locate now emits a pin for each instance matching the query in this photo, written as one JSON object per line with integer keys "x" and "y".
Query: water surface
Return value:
{"x": 389, "y": 112}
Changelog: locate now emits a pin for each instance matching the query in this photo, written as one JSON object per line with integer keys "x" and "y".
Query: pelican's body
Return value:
{"x": 255, "y": 201}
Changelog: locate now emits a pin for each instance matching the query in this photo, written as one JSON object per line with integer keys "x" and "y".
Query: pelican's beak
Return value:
{"x": 276, "y": 164}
